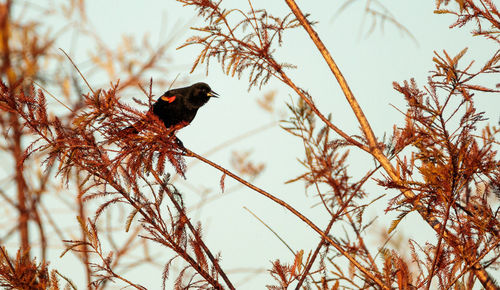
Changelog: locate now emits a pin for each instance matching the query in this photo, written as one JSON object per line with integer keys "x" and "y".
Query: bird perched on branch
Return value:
{"x": 178, "y": 107}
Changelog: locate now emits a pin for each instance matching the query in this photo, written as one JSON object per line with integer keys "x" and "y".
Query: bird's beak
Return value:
{"x": 213, "y": 94}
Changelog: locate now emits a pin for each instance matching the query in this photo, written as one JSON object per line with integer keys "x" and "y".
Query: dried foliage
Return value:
{"x": 240, "y": 41}
{"x": 449, "y": 177}
{"x": 441, "y": 165}
{"x": 22, "y": 49}
{"x": 115, "y": 164}
{"x": 102, "y": 270}
{"x": 454, "y": 171}
{"x": 23, "y": 273}
{"x": 244, "y": 166}
{"x": 110, "y": 150}
{"x": 482, "y": 13}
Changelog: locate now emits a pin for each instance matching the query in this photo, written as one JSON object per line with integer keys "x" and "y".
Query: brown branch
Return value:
{"x": 7, "y": 70}
{"x": 105, "y": 175}
{"x": 83, "y": 216}
{"x": 374, "y": 149}
{"x": 439, "y": 246}
{"x": 194, "y": 231}
{"x": 293, "y": 211}
{"x": 367, "y": 130}
{"x": 20, "y": 183}
{"x": 284, "y": 77}
{"x": 469, "y": 267}
{"x": 315, "y": 254}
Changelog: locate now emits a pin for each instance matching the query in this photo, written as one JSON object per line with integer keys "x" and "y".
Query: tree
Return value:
{"x": 437, "y": 165}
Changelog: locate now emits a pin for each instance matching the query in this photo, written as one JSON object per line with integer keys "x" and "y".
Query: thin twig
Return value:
{"x": 375, "y": 150}
{"x": 293, "y": 211}
{"x": 194, "y": 231}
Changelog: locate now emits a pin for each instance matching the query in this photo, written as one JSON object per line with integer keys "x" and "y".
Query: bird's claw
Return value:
{"x": 179, "y": 144}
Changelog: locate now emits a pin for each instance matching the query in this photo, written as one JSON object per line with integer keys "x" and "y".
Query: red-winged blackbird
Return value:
{"x": 178, "y": 107}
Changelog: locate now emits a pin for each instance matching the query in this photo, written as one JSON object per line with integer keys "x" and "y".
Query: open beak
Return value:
{"x": 213, "y": 94}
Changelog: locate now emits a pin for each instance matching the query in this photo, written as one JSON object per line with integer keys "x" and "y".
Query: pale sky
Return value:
{"x": 370, "y": 63}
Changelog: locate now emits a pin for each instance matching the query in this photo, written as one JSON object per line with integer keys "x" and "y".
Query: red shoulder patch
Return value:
{"x": 168, "y": 99}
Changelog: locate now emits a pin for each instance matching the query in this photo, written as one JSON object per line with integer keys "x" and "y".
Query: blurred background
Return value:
{"x": 375, "y": 43}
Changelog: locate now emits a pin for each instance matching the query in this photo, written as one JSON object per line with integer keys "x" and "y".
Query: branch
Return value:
{"x": 478, "y": 270}
{"x": 293, "y": 211}
{"x": 196, "y": 233}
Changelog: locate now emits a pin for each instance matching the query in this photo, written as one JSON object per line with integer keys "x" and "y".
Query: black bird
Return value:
{"x": 178, "y": 107}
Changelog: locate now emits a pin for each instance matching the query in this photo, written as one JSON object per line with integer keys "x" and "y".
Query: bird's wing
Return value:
{"x": 168, "y": 99}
